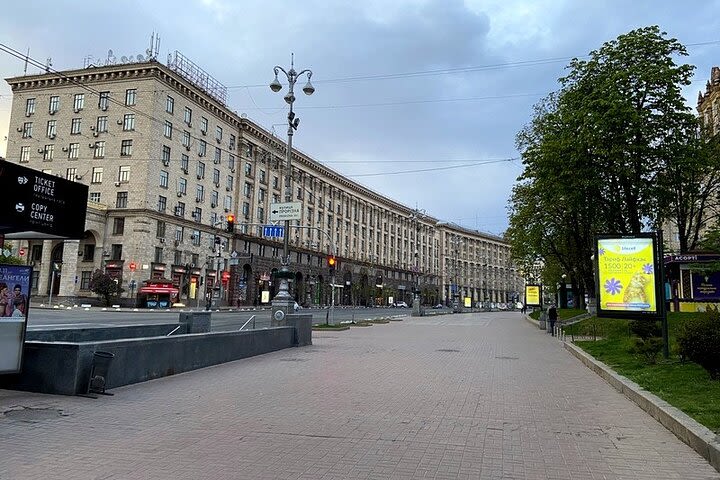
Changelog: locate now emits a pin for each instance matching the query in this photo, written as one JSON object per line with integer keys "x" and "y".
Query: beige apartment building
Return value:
{"x": 166, "y": 161}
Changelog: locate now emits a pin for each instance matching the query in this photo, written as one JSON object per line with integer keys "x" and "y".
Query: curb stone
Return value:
{"x": 698, "y": 437}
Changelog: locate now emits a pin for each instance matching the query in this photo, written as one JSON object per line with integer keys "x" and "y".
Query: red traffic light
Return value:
{"x": 225, "y": 277}
{"x": 230, "y": 218}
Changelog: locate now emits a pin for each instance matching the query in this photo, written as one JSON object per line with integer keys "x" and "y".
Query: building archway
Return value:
{"x": 55, "y": 268}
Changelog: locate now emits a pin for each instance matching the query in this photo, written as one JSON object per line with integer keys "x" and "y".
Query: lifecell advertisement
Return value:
{"x": 627, "y": 276}
{"x": 532, "y": 295}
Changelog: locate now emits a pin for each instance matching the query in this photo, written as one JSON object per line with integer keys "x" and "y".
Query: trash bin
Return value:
{"x": 99, "y": 371}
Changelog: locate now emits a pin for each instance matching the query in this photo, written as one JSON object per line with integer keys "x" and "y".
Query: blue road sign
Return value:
{"x": 273, "y": 231}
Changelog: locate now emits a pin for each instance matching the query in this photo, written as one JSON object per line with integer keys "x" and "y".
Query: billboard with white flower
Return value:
{"x": 628, "y": 278}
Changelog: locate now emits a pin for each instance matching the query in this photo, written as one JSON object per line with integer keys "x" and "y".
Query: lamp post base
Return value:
{"x": 283, "y": 304}
{"x": 417, "y": 310}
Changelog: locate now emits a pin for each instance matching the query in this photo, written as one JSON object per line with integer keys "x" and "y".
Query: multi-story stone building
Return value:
{"x": 166, "y": 161}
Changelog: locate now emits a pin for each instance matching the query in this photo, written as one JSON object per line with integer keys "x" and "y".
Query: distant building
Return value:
{"x": 166, "y": 160}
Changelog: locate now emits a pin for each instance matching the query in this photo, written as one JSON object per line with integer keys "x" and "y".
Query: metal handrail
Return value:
{"x": 175, "y": 330}
{"x": 248, "y": 321}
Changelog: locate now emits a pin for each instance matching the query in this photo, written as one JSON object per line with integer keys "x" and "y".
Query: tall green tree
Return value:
{"x": 598, "y": 153}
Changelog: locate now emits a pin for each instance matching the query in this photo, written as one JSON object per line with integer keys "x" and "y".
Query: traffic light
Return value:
{"x": 230, "y": 228}
{"x": 331, "y": 263}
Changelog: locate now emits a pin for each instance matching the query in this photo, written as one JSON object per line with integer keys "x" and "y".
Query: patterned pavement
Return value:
{"x": 471, "y": 396}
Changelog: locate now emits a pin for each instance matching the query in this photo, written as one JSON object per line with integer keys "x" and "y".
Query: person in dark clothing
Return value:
{"x": 552, "y": 318}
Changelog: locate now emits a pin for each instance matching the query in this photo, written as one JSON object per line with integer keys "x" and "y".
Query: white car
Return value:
{"x": 400, "y": 305}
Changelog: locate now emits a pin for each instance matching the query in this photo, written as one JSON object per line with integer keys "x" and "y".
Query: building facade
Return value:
{"x": 166, "y": 161}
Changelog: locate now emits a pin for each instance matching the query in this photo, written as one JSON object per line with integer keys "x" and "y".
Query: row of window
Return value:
{"x": 79, "y": 102}
{"x": 101, "y": 126}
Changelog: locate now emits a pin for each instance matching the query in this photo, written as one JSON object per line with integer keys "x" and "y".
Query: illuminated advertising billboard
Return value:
{"x": 14, "y": 303}
{"x": 532, "y": 295}
{"x": 628, "y": 276}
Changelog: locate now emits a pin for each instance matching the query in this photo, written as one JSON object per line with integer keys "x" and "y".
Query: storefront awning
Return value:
{"x": 158, "y": 290}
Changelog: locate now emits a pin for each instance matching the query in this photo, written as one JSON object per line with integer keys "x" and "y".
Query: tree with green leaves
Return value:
{"x": 106, "y": 286}
{"x": 602, "y": 155}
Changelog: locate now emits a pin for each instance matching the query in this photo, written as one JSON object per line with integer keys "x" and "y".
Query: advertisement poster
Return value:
{"x": 627, "y": 276}
{"x": 467, "y": 302}
{"x": 706, "y": 286}
{"x": 532, "y": 295}
{"x": 14, "y": 303}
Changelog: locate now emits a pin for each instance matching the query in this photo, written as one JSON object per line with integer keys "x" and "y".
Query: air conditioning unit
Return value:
{"x": 199, "y": 177}
{"x": 198, "y": 200}
{"x": 232, "y": 170}
{"x": 213, "y": 205}
{"x": 20, "y": 129}
{"x": 166, "y": 162}
{"x": 120, "y": 122}
{"x": 217, "y": 185}
{"x": 177, "y": 242}
{"x": 77, "y": 110}
{"x": 185, "y": 171}
{"x": 227, "y": 189}
{"x": 179, "y": 194}
{"x": 218, "y": 140}
{"x": 201, "y": 154}
{"x": 162, "y": 240}
{"x": 189, "y": 124}
{"x": 52, "y": 112}
{"x": 187, "y": 147}
{"x": 52, "y": 136}
{"x": 92, "y": 127}
{"x": 216, "y": 161}
{"x": 64, "y": 149}
{"x": 204, "y": 132}
{"x": 95, "y": 134}
{"x": 41, "y": 150}
{"x": 78, "y": 177}
{"x": 27, "y": 114}
{"x": 117, "y": 184}
{"x": 104, "y": 108}
{"x": 91, "y": 145}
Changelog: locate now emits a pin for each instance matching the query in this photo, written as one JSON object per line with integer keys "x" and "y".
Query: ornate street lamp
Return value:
{"x": 283, "y": 302}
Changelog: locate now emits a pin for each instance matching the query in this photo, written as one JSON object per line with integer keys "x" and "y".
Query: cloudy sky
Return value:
{"x": 419, "y": 100}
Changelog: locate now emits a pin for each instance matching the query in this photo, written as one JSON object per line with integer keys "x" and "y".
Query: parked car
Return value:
{"x": 438, "y": 306}
{"x": 400, "y": 305}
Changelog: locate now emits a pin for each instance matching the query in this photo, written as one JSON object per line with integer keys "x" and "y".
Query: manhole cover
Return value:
{"x": 507, "y": 358}
{"x": 33, "y": 415}
{"x": 447, "y": 350}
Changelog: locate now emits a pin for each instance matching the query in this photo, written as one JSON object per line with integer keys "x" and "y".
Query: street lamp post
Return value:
{"x": 283, "y": 302}
{"x": 416, "y": 216}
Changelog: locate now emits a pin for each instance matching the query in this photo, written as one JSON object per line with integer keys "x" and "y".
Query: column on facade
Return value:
{"x": 44, "y": 268}
{"x": 68, "y": 286}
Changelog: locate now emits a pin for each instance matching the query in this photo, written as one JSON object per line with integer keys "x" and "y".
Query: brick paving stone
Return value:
{"x": 471, "y": 396}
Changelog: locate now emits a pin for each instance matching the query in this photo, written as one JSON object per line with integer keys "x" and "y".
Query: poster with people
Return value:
{"x": 627, "y": 276}
{"x": 14, "y": 304}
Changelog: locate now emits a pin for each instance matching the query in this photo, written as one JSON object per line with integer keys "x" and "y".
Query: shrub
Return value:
{"x": 699, "y": 341}
{"x": 648, "y": 347}
{"x": 645, "y": 329}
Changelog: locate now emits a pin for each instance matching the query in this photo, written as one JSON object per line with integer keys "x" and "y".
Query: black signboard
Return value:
{"x": 40, "y": 205}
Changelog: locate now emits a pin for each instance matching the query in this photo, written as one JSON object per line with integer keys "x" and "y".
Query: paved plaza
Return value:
{"x": 473, "y": 396}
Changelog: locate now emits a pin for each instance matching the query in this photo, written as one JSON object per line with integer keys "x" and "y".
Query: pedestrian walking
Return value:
{"x": 552, "y": 318}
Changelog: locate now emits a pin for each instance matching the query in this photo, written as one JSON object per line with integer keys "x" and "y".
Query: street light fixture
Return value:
{"x": 283, "y": 302}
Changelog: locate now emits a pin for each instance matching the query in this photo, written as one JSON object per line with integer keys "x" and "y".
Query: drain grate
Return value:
{"x": 33, "y": 415}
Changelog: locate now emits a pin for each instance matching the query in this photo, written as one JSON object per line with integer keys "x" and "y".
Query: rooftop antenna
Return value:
{"x": 154, "y": 49}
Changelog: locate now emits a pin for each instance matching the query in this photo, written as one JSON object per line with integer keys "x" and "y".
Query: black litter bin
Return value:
{"x": 99, "y": 371}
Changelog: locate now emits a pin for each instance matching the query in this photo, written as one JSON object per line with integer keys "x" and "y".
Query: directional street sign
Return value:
{"x": 285, "y": 211}
{"x": 273, "y": 231}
